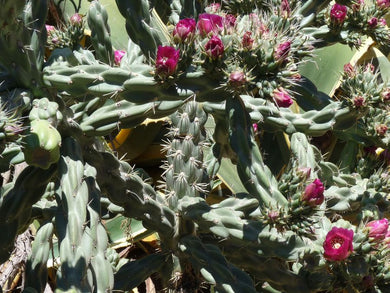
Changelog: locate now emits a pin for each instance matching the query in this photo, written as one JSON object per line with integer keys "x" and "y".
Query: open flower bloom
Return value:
{"x": 166, "y": 61}
{"x": 378, "y": 229}
{"x": 314, "y": 193}
{"x": 338, "y": 244}
{"x": 209, "y": 23}
{"x": 214, "y": 48}
{"x": 184, "y": 29}
{"x": 338, "y": 13}
{"x": 118, "y": 55}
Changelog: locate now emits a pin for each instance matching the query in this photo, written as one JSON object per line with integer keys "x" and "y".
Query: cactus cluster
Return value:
{"x": 225, "y": 77}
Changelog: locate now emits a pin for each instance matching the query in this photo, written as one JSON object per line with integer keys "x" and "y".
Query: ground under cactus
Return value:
{"x": 268, "y": 178}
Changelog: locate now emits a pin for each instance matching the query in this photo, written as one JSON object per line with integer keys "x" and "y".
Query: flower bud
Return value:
{"x": 285, "y": 8}
{"x": 383, "y": 3}
{"x": 378, "y": 229}
{"x": 184, "y": 30}
{"x": 373, "y": 22}
{"x": 314, "y": 193}
{"x": 282, "y": 51}
{"x": 282, "y": 98}
{"x": 338, "y": 13}
{"x": 208, "y": 23}
{"x": 338, "y": 244}
{"x": 349, "y": 70}
{"x": 386, "y": 95}
{"x": 304, "y": 172}
{"x": 76, "y": 19}
{"x": 49, "y": 28}
{"x": 381, "y": 129}
{"x": 214, "y": 48}
{"x": 230, "y": 22}
{"x": 118, "y": 55}
{"x": 237, "y": 79}
{"x": 358, "y": 102}
{"x": 247, "y": 41}
{"x": 166, "y": 60}
{"x": 382, "y": 21}
{"x": 213, "y": 8}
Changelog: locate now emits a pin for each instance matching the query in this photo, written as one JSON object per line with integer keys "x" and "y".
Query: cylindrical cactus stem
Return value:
{"x": 11, "y": 9}
{"x": 125, "y": 114}
{"x": 95, "y": 239}
{"x": 36, "y": 267}
{"x": 185, "y": 172}
{"x": 184, "y": 9}
{"x": 100, "y": 33}
{"x": 140, "y": 25}
{"x": 72, "y": 199}
{"x": 23, "y": 49}
{"x": 139, "y": 270}
{"x": 254, "y": 174}
{"x": 335, "y": 116}
{"x": 212, "y": 265}
{"x": 11, "y": 155}
{"x": 17, "y": 202}
{"x": 120, "y": 183}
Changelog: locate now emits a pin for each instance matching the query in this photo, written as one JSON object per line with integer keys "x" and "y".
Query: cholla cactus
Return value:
{"x": 306, "y": 218}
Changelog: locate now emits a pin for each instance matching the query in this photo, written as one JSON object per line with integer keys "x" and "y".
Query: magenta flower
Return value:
{"x": 282, "y": 51}
{"x": 338, "y": 244}
{"x": 166, "y": 61}
{"x": 282, "y": 98}
{"x": 383, "y": 3}
{"x": 184, "y": 29}
{"x": 209, "y": 23}
{"x": 338, "y": 13}
{"x": 118, "y": 55}
{"x": 314, "y": 193}
{"x": 247, "y": 41}
{"x": 214, "y": 48}
{"x": 372, "y": 22}
{"x": 382, "y": 21}
{"x": 76, "y": 19}
{"x": 378, "y": 229}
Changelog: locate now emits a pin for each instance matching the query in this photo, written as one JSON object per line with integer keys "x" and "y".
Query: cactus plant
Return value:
{"x": 225, "y": 77}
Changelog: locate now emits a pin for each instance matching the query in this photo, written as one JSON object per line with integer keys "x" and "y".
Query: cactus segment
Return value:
{"x": 42, "y": 144}
{"x": 214, "y": 268}
{"x": 254, "y": 174}
{"x": 139, "y": 270}
{"x": 16, "y": 204}
{"x": 36, "y": 270}
{"x": 45, "y": 110}
{"x": 185, "y": 173}
{"x": 336, "y": 116}
{"x": 100, "y": 33}
{"x": 141, "y": 25}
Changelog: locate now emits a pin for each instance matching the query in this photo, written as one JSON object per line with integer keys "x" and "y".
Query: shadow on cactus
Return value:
{"x": 309, "y": 216}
